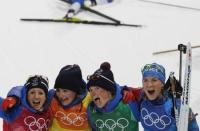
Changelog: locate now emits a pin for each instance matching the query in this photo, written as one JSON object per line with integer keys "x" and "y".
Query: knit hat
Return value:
{"x": 70, "y": 77}
{"x": 37, "y": 81}
{"x": 154, "y": 70}
{"x": 103, "y": 78}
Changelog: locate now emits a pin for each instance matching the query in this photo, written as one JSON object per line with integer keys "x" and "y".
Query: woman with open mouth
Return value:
{"x": 107, "y": 112}
{"x": 156, "y": 107}
{"x": 70, "y": 100}
{"x": 27, "y": 110}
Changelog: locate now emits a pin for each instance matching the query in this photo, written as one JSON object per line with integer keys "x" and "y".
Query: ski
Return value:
{"x": 172, "y": 5}
{"x": 78, "y": 21}
{"x": 174, "y": 97}
{"x": 185, "y": 99}
{"x": 96, "y": 12}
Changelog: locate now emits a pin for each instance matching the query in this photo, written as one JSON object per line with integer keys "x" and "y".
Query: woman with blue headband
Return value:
{"x": 156, "y": 107}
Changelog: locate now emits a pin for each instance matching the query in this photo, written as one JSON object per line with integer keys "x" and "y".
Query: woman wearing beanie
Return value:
{"x": 107, "y": 112}
{"x": 69, "y": 101}
{"x": 156, "y": 107}
{"x": 27, "y": 112}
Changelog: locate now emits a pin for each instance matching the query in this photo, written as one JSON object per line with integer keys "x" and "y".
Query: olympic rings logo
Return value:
{"x": 36, "y": 125}
{"x": 111, "y": 124}
{"x": 150, "y": 119}
{"x": 72, "y": 118}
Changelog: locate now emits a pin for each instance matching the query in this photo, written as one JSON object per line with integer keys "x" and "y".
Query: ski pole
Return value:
{"x": 101, "y": 14}
{"x": 182, "y": 49}
{"x": 172, "y": 5}
{"x": 172, "y": 81}
{"x": 172, "y": 50}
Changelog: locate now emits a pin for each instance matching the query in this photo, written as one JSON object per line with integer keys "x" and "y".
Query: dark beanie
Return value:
{"x": 37, "y": 81}
{"x": 103, "y": 78}
{"x": 70, "y": 77}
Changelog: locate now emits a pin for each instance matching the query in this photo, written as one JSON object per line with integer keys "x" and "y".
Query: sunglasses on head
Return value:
{"x": 154, "y": 67}
{"x": 34, "y": 79}
{"x": 97, "y": 76}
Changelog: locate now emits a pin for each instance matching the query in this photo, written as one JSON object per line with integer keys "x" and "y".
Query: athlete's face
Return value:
{"x": 100, "y": 96}
{"x": 152, "y": 87}
{"x": 36, "y": 98}
{"x": 65, "y": 96}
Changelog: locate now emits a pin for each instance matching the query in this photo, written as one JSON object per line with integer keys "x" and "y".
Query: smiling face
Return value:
{"x": 100, "y": 96}
{"x": 152, "y": 87}
{"x": 36, "y": 98}
{"x": 65, "y": 96}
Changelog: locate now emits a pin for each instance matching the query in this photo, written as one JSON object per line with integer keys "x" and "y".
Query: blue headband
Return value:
{"x": 154, "y": 70}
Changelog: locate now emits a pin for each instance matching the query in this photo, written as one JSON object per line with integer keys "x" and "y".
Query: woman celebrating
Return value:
{"x": 27, "y": 112}
{"x": 107, "y": 112}
{"x": 70, "y": 100}
{"x": 156, "y": 108}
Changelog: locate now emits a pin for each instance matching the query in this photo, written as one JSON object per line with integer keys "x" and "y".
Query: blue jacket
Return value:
{"x": 81, "y": 2}
{"x": 157, "y": 115}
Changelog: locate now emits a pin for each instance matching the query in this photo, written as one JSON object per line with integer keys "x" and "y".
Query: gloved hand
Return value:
{"x": 131, "y": 94}
{"x": 192, "y": 116}
{"x": 8, "y": 103}
{"x": 178, "y": 87}
{"x": 70, "y": 13}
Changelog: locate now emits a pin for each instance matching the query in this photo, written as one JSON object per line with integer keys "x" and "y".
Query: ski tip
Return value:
{"x": 141, "y": 26}
{"x": 144, "y": 26}
{"x": 131, "y": 25}
{"x": 26, "y": 19}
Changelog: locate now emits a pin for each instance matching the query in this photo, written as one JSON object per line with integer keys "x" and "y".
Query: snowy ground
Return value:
{"x": 43, "y": 48}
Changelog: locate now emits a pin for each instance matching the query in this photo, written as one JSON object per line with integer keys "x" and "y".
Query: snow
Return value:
{"x": 29, "y": 48}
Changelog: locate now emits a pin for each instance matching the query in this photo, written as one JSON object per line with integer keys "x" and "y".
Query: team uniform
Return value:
{"x": 116, "y": 116}
{"x": 157, "y": 115}
{"x": 24, "y": 118}
{"x": 70, "y": 117}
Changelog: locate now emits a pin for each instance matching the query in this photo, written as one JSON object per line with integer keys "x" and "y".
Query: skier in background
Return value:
{"x": 107, "y": 111}
{"x": 77, "y": 4}
{"x": 28, "y": 112}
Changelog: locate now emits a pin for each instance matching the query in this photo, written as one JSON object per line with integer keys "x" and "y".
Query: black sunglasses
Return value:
{"x": 97, "y": 76}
